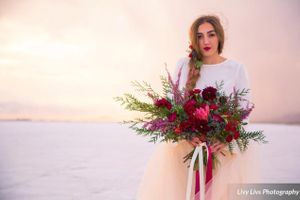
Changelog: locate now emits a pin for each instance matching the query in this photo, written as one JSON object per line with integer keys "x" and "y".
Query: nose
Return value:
{"x": 206, "y": 40}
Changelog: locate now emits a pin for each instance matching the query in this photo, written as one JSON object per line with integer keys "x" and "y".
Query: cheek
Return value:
{"x": 200, "y": 43}
{"x": 216, "y": 42}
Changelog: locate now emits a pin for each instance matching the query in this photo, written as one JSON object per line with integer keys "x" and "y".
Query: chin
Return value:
{"x": 207, "y": 54}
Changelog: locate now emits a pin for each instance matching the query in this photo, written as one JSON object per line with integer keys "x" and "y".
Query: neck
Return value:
{"x": 213, "y": 59}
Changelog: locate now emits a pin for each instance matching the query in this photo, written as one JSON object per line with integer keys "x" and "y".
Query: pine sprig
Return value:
{"x": 230, "y": 147}
{"x": 133, "y": 104}
{"x": 166, "y": 86}
{"x": 246, "y": 136}
{"x": 145, "y": 132}
{"x": 220, "y": 85}
{"x": 145, "y": 88}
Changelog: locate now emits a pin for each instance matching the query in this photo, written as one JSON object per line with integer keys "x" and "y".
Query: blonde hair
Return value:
{"x": 194, "y": 74}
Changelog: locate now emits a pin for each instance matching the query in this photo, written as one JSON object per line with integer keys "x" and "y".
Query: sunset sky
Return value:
{"x": 66, "y": 60}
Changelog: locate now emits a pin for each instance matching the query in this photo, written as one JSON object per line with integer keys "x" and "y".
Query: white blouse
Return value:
{"x": 232, "y": 73}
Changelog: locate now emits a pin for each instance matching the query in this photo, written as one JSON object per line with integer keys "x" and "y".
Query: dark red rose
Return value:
{"x": 191, "y": 46}
{"x": 190, "y": 55}
{"x": 187, "y": 126}
{"x": 209, "y": 93}
{"x": 184, "y": 125}
{"x": 190, "y": 106}
{"x": 163, "y": 103}
{"x": 194, "y": 91}
{"x": 172, "y": 117}
{"x": 236, "y": 135}
{"x": 213, "y": 107}
{"x": 231, "y": 126}
{"x": 229, "y": 138}
{"x": 202, "y": 126}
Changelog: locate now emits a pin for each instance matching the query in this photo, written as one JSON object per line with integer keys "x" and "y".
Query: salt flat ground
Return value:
{"x": 105, "y": 161}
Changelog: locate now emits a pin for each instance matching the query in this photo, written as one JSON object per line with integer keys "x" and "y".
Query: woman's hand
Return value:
{"x": 215, "y": 148}
{"x": 218, "y": 147}
{"x": 195, "y": 141}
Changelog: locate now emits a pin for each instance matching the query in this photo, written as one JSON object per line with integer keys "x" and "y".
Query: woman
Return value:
{"x": 165, "y": 177}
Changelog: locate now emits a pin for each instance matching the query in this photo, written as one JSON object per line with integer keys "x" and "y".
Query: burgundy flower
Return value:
{"x": 236, "y": 135}
{"x": 190, "y": 55}
{"x": 229, "y": 138}
{"x": 209, "y": 93}
{"x": 172, "y": 117}
{"x": 217, "y": 118}
{"x": 213, "y": 107}
{"x": 202, "y": 126}
{"x": 183, "y": 125}
{"x": 186, "y": 125}
{"x": 190, "y": 106}
{"x": 194, "y": 91}
{"x": 231, "y": 126}
{"x": 163, "y": 103}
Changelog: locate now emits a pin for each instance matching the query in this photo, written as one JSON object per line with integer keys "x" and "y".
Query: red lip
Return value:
{"x": 207, "y": 48}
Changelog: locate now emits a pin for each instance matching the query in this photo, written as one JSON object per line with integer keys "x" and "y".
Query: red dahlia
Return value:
{"x": 209, "y": 93}
{"x": 163, "y": 103}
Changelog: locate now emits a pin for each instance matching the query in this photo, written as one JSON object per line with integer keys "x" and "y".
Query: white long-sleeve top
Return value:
{"x": 231, "y": 72}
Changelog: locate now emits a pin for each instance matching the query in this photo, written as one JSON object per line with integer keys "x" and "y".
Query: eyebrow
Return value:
{"x": 207, "y": 32}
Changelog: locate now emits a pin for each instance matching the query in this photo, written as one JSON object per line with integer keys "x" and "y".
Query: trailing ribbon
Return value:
{"x": 208, "y": 172}
{"x": 199, "y": 179}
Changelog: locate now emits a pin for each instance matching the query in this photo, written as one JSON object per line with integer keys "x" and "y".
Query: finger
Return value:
{"x": 216, "y": 144}
{"x": 213, "y": 149}
{"x": 193, "y": 143}
{"x": 222, "y": 153}
{"x": 217, "y": 147}
{"x": 220, "y": 145}
{"x": 195, "y": 139}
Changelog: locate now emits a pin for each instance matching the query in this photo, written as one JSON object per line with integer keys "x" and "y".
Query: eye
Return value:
{"x": 212, "y": 35}
{"x": 199, "y": 36}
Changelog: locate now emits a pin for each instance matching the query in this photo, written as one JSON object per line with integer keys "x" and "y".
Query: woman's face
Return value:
{"x": 207, "y": 40}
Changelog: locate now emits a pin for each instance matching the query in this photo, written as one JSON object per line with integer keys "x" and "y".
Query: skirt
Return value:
{"x": 165, "y": 176}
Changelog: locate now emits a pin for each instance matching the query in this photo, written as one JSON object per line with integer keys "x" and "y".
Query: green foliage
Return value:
{"x": 246, "y": 136}
{"x": 145, "y": 88}
{"x": 166, "y": 86}
{"x": 228, "y": 110}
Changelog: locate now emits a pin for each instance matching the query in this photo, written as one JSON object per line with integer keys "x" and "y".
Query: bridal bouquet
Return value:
{"x": 177, "y": 114}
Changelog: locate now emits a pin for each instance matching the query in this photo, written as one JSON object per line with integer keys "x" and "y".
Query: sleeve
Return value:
{"x": 242, "y": 82}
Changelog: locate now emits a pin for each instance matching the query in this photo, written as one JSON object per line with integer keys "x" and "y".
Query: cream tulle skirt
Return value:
{"x": 165, "y": 176}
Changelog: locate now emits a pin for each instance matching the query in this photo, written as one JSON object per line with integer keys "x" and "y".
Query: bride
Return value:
{"x": 165, "y": 176}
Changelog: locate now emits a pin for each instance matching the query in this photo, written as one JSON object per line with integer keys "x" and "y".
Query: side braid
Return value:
{"x": 193, "y": 76}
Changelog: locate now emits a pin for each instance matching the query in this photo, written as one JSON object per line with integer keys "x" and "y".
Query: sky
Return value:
{"x": 66, "y": 60}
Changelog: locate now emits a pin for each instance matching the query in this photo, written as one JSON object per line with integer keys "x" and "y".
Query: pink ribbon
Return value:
{"x": 208, "y": 172}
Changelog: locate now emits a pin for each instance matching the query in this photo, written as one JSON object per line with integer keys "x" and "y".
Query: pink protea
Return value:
{"x": 202, "y": 113}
